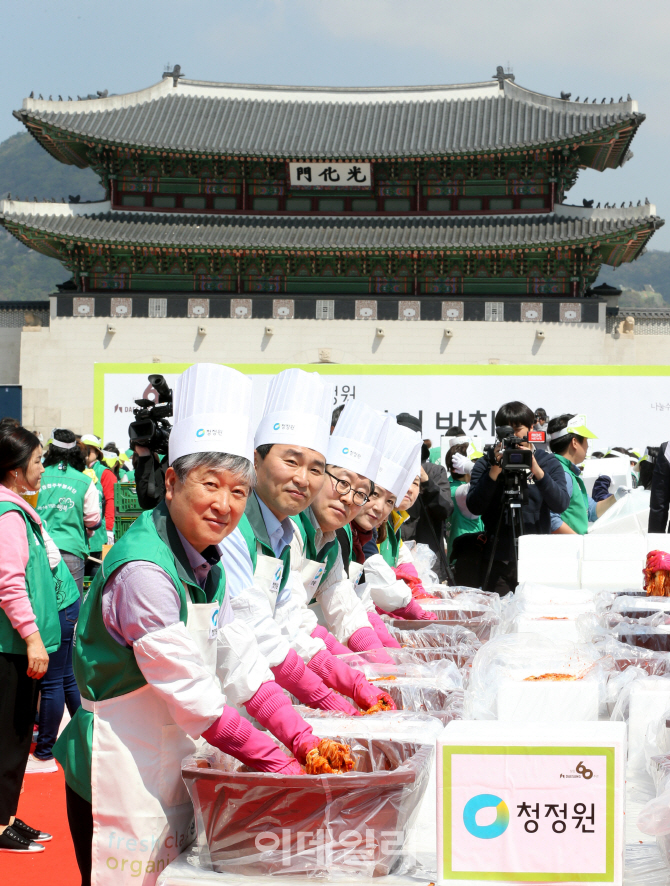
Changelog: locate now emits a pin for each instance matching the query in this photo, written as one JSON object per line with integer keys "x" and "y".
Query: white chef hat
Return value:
{"x": 212, "y": 412}
{"x": 298, "y": 407}
{"x": 401, "y": 460}
{"x": 358, "y": 439}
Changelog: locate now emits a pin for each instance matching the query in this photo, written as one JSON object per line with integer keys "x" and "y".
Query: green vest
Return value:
{"x": 61, "y": 507}
{"x": 99, "y": 537}
{"x": 41, "y": 592}
{"x": 327, "y": 554}
{"x": 390, "y": 547}
{"x": 106, "y": 669}
{"x": 577, "y": 513}
{"x": 66, "y": 587}
{"x": 255, "y": 533}
{"x": 460, "y": 524}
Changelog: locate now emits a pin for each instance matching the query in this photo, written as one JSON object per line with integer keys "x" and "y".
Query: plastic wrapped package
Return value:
{"x": 531, "y": 678}
{"x": 531, "y": 593}
{"x": 480, "y": 623}
{"x": 437, "y": 636}
{"x": 640, "y": 607}
{"x": 256, "y": 823}
{"x": 543, "y": 609}
{"x": 464, "y": 598}
{"x": 641, "y": 702}
{"x": 625, "y": 656}
{"x": 444, "y": 674}
{"x": 655, "y": 638}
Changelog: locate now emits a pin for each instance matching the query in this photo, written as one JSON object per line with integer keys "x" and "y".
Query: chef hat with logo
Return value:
{"x": 212, "y": 412}
{"x": 297, "y": 410}
{"x": 401, "y": 460}
{"x": 359, "y": 438}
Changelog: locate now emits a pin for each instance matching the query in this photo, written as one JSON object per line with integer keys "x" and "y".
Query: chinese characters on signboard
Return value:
{"x": 331, "y": 175}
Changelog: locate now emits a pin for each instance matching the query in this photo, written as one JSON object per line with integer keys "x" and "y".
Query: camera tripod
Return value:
{"x": 515, "y": 494}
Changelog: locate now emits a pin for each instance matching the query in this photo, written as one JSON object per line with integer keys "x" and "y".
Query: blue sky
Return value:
{"x": 599, "y": 48}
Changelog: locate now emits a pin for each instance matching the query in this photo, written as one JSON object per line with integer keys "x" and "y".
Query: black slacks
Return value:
{"x": 18, "y": 704}
{"x": 80, "y": 819}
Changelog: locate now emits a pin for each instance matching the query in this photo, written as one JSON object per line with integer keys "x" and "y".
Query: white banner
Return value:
{"x": 331, "y": 175}
{"x": 623, "y": 410}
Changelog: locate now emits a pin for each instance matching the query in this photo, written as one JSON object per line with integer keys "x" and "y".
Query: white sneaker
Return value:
{"x": 37, "y": 765}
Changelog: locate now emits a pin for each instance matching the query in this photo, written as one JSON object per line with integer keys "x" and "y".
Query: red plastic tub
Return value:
{"x": 255, "y": 823}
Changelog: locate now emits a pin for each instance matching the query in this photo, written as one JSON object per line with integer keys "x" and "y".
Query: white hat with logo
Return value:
{"x": 298, "y": 407}
{"x": 212, "y": 412}
{"x": 401, "y": 460}
{"x": 358, "y": 440}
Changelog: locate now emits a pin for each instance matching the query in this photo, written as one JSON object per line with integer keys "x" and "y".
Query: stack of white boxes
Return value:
{"x": 613, "y": 562}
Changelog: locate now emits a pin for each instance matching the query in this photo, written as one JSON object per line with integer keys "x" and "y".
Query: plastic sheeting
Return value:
{"x": 456, "y": 638}
{"x": 498, "y": 687}
{"x": 255, "y": 823}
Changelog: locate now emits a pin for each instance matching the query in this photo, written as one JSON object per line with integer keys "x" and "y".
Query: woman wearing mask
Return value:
{"x": 29, "y": 627}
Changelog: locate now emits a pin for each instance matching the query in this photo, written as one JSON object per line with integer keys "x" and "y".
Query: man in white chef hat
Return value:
{"x": 146, "y": 650}
{"x": 354, "y": 454}
{"x": 399, "y": 466}
{"x": 290, "y": 459}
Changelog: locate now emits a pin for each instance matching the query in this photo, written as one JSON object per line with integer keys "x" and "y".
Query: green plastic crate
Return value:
{"x": 122, "y": 525}
{"x": 125, "y": 498}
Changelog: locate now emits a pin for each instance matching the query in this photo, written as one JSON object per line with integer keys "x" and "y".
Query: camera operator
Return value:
{"x": 546, "y": 492}
{"x": 149, "y": 437}
{"x": 660, "y": 488}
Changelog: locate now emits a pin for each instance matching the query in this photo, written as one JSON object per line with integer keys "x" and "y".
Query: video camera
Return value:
{"x": 514, "y": 459}
{"x": 151, "y": 428}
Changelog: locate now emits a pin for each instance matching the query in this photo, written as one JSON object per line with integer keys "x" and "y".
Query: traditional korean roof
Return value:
{"x": 282, "y": 122}
{"x": 97, "y": 223}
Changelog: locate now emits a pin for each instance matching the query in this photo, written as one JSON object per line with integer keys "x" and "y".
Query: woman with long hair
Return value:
{"x": 29, "y": 626}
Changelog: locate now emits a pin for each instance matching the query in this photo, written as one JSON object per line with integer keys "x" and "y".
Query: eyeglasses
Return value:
{"x": 343, "y": 487}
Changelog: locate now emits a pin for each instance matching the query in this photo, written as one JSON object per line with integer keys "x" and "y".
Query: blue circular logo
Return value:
{"x": 345, "y": 451}
{"x": 487, "y": 831}
{"x": 200, "y": 432}
{"x": 276, "y": 426}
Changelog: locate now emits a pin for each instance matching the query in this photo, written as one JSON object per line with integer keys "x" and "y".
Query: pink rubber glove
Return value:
{"x": 414, "y": 611}
{"x": 234, "y": 735}
{"x": 407, "y": 572}
{"x": 332, "y": 645}
{"x": 274, "y": 711}
{"x": 381, "y": 631}
{"x": 307, "y": 686}
{"x": 365, "y": 640}
{"x": 348, "y": 681}
{"x": 657, "y": 560}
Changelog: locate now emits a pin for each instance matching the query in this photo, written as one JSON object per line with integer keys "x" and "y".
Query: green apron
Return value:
{"x": 99, "y": 537}
{"x": 577, "y": 513}
{"x": 41, "y": 592}
{"x": 390, "y": 547}
{"x": 104, "y": 668}
{"x": 67, "y": 591}
{"x": 61, "y": 507}
{"x": 459, "y": 523}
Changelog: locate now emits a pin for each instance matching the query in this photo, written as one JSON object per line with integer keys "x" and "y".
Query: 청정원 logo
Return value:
{"x": 345, "y": 451}
{"x": 200, "y": 432}
{"x": 276, "y": 426}
{"x": 486, "y": 831}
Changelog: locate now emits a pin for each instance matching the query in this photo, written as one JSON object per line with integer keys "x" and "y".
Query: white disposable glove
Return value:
{"x": 461, "y": 464}
{"x": 621, "y": 491}
{"x": 110, "y": 537}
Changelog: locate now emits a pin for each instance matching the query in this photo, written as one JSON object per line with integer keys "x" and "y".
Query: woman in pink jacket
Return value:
{"x": 29, "y": 627}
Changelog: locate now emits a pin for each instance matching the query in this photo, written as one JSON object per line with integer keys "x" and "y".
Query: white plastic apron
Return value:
{"x": 267, "y": 576}
{"x": 311, "y": 573}
{"x": 142, "y": 813}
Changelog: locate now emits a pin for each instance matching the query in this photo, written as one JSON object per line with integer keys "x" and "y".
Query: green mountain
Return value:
{"x": 27, "y": 171}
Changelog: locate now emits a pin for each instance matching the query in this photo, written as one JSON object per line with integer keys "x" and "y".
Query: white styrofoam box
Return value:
{"x": 553, "y": 547}
{"x": 658, "y": 541}
{"x": 649, "y": 700}
{"x": 534, "y": 593}
{"x": 614, "y": 547}
{"x": 507, "y": 762}
{"x": 547, "y": 701}
{"x": 562, "y": 573}
{"x": 612, "y": 574}
{"x": 625, "y": 604}
{"x": 559, "y": 629}
{"x": 419, "y": 729}
{"x": 618, "y": 469}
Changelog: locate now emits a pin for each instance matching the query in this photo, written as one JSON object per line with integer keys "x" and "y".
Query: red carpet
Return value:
{"x": 42, "y": 805}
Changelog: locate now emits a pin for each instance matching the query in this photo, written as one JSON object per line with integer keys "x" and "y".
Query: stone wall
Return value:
{"x": 56, "y": 362}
